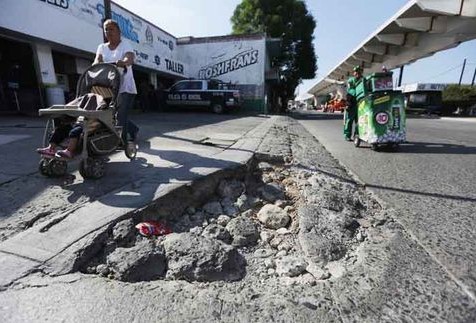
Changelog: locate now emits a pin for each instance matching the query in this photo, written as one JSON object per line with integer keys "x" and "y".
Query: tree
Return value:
{"x": 455, "y": 92}
{"x": 290, "y": 21}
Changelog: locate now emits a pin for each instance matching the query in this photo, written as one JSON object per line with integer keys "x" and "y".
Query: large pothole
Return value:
{"x": 275, "y": 220}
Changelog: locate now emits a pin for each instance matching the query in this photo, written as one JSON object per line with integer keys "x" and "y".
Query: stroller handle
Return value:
{"x": 120, "y": 68}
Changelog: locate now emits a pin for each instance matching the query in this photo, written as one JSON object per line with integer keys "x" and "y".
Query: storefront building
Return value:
{"x": 45, "y": 45}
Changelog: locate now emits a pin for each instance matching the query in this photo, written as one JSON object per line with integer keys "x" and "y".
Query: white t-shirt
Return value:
{"x": 128, "y": 84}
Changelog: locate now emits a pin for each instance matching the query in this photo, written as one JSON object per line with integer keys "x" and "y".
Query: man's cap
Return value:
{"x": 357, "y": 68}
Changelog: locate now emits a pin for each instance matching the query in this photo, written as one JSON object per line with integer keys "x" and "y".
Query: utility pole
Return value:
{"x": 474, "y": 76}
{"x": 107, "y": 14}
{"x": 107, "y": 9}
{"x": 462, "y": 71}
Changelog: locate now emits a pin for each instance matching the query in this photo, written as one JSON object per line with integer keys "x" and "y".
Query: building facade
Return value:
{"x": 45, "y": 45}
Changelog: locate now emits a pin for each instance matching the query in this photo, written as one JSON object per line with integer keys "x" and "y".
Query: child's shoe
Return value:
{"x": 65, "y": 154}
{"x": 48, "y": 151}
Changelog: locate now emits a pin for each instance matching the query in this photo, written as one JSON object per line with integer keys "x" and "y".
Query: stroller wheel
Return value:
{"x": 44, "y": 167}
{"x": 49, "y": 129}
{"x": 131, "y": 150}
{"x": 92, "y": 168}
{"x": 58, "y": 167}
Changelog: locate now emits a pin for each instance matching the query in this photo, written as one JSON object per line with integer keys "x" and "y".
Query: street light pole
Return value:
{"x": 400, "y": 76}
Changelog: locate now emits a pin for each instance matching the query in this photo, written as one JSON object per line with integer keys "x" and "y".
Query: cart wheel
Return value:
{"x": 92, "y": 168}
{"x": 374, "y": 147}
{"x": 356, "y": 141}
{"x": 44, "y": 167}
{"x": 131, "y": 150}
{"x": 58, "y": 167}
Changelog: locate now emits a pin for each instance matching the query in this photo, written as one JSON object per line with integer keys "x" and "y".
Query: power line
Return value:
{"x": 442, "y": 73}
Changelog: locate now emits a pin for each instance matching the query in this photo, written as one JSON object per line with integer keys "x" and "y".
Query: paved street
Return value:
{"x": 400, "y": 264}
{"x": 430, "y": 183}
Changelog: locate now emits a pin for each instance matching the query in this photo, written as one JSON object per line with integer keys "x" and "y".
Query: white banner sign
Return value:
{"x": 78, "y": 24}
{"x": 239, "y": 61}
{"x": 153, "y": 47}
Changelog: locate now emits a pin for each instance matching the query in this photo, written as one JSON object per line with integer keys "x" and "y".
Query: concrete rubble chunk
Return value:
{"x": 263, "y": 166}
{"x": 123, "y": 232}
{"x": 307, "y": 279}
{"x": 243, "y": 231}
{"x": 196, "y": 230}
{"x": 230, "y": 188}
{"x": 216, "y": 231}
{"x": 142, "y": 262}
{"x": 263, "y": 253}
{"x": 272, "y": 192}
{"x": 223, "y": 220}
{"x": 281, "y": 203}
{"x": 198, "y": 258}
{"x": 248, "y": 213}
{"x": 273, "y": 217}
{"x": 283, "y": 231}
{"x": 229, "y": 208}
{"x": 102, "y": 270}
{"x": 317, "y": 272}
{"x": 241, "y": 202}
{"x": 324, "y": 235}
{"x": 290, "y": 266}
{"x": 266, "y": 236}
{"x": 245, "y": 202}
{"x": 269, "y": 263}
{"x": 213, "y": 208}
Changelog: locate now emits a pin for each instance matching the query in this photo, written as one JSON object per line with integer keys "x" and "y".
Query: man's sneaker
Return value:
{"x": 46, "y": 151}
{"x": 65, "y": 154}
{"x": 348, "y": 139}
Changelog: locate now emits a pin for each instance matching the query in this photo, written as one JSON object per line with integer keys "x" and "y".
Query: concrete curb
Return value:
{"x": 33, "y": 247}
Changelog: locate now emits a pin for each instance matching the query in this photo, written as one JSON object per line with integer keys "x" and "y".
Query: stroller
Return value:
{"x": 99, "y": 83}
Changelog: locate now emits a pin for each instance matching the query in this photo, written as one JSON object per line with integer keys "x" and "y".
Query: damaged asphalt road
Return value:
{"x": 289, "y": 236}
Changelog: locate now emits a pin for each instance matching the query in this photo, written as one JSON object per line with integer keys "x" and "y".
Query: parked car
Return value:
{"x": 218, "y": 96}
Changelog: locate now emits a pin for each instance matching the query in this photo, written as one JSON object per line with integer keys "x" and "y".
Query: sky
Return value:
{"x": 341, "y": 26}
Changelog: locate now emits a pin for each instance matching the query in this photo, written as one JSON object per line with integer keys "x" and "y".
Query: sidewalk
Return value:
{"x": 465, "y": 119}
{"x": 40, "y": 244}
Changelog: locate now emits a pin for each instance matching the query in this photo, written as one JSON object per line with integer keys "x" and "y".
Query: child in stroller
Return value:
{"x": 94, "y": 135}
{"x": 73, "y": 132}
{"x": 66, "y": 128}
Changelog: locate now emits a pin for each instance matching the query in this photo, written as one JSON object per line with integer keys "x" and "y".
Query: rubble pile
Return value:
{"x": 278, "y": 221}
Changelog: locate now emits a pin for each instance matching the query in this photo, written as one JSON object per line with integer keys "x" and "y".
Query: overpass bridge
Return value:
{"x": 418, "y": 30}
